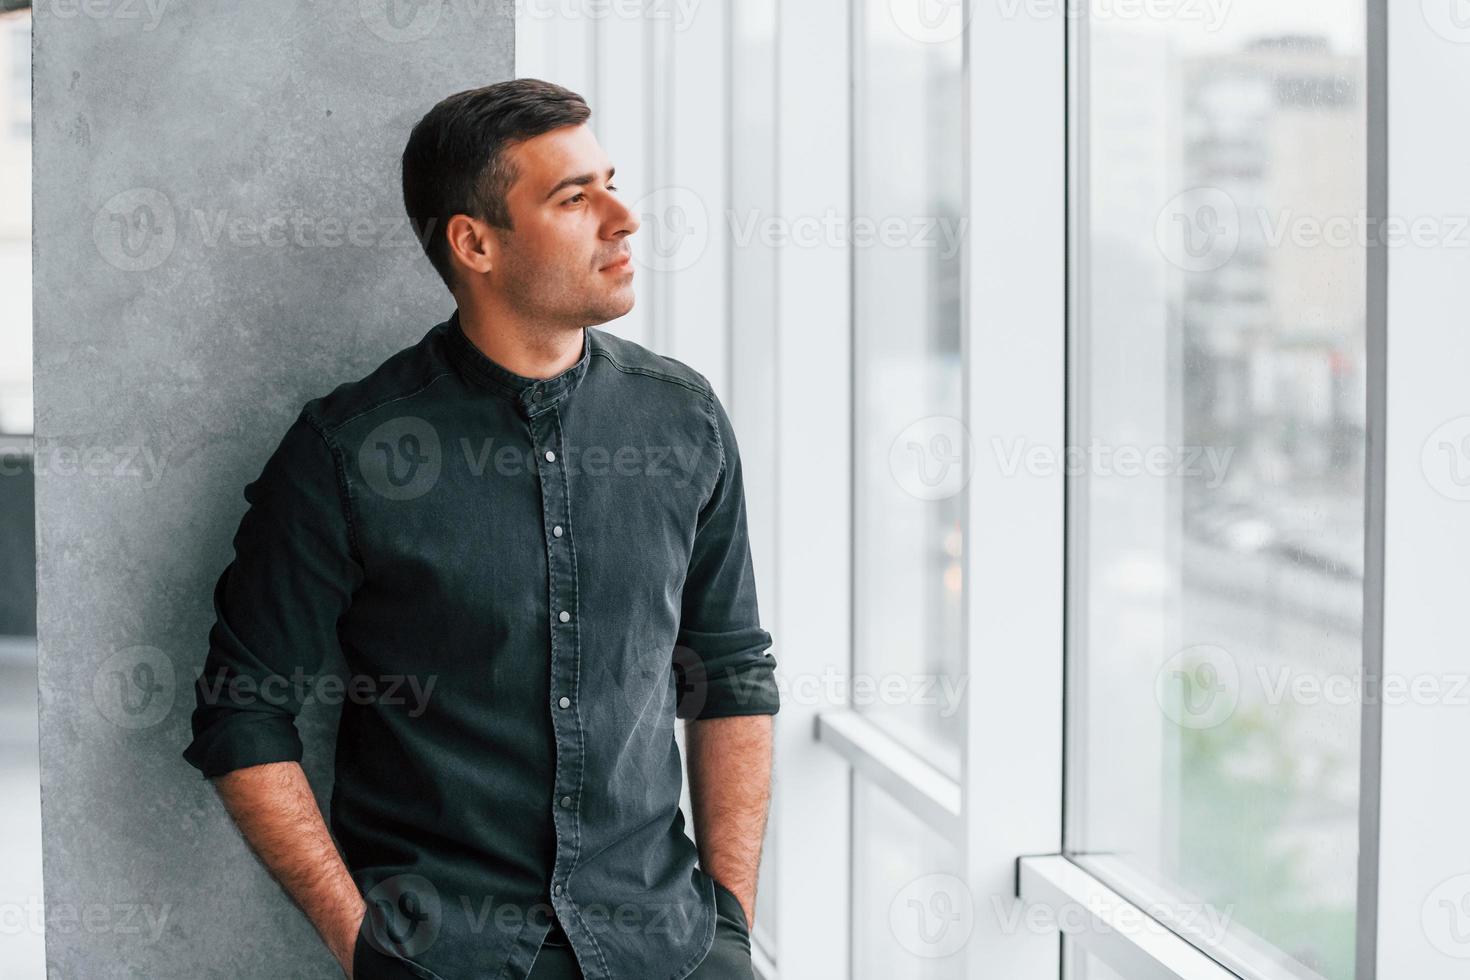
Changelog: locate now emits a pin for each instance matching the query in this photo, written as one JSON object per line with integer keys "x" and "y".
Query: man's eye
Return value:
{"x": 612, "y": 187}
{"x": 574, "y": 197}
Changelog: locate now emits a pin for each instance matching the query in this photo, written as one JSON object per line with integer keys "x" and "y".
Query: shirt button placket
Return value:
{"x": 561, "y": 594}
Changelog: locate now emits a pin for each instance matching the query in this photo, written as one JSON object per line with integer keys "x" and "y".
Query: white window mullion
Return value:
{"x": 1422, "y": 880}
{"x": 1015, "y": 329}
{"x": 813, "y": 559}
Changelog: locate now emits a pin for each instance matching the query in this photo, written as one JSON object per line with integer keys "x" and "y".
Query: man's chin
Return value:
{"x": 615, "y": 306}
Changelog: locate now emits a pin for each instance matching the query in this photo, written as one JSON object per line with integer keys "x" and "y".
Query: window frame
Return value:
{"x": 1014, "y": 595}
{"x": 812, "y": 799}
{"x": 1054, "y": 882}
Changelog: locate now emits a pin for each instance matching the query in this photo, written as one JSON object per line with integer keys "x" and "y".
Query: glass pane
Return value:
{"x": 15, "y": 223}
{"x": 912, "y": 915}
{"x": 1079, "y": 964}
{"x": 911, "y": 454}
{"x": 1216, "y": 508}
{"x": 22, "y": 949}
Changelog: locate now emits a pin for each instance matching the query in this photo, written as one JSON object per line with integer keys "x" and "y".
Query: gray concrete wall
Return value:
{"x": 219, "y": 237}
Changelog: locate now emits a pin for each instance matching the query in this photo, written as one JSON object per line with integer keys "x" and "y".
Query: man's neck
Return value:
{"x": 535, "y": 349}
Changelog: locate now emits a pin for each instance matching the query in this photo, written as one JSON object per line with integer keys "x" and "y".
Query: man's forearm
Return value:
{"x": 275, "y": 810}
{"x": 730, "y": 789}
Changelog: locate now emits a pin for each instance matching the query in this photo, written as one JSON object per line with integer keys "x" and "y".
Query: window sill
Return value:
{"x": 1110, "y": 927}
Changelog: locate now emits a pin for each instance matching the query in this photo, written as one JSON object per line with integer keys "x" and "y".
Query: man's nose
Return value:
{"x": 624, "y": 218}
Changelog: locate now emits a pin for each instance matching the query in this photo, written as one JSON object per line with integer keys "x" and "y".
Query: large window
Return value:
{"x": 1217, "y": 407}
{"x": 910, "y": 456}
{"x": 909, "y": 446}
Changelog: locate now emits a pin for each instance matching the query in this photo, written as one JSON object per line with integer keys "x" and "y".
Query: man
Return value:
{"x": 528, "y": 538}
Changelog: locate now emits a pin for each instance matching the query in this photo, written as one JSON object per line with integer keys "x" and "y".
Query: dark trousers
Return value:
{"x": 728, "y": 958}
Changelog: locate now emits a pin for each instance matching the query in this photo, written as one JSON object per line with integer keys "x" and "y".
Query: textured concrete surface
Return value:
{"x": 219, "y": 237}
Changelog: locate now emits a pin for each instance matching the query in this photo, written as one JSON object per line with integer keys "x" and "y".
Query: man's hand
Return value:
{"x": 730, "y": 788}
{"x": 274, "y": 808}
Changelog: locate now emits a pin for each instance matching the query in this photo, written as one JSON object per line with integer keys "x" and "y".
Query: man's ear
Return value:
{"x": 472, "y": 244}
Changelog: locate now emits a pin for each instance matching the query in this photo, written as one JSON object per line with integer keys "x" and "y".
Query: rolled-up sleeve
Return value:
{"x": 276, "y": 607}
{"x": 722, "y": 656}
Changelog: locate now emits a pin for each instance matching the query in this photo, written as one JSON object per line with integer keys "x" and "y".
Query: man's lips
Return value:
{"x": 619, "y": 264}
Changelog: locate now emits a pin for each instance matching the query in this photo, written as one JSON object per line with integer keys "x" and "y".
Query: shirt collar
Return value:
{"x": 531, "y": 395}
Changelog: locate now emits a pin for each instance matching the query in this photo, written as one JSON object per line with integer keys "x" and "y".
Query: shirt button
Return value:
{"x": 556, "y": 531}
{"x": 564, "y": 616}
{"x": 566, "y": 801}
{"x": 556, "y": 889}
{"x": 550, "y": 456}
{"x": 565, "y": 702}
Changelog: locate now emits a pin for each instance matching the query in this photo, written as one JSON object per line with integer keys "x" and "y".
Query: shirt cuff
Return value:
{"x": 243, "y": 739}
{"x": 743, "y": 687}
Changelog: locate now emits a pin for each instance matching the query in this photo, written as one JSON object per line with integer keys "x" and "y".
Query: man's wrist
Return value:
{"x": 345, "y": 941}
{"x": 744, "y": 895}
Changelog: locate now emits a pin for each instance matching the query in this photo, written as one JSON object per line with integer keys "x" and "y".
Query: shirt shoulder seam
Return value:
{"x": 649, "y": 372}
{"x": 709, "y": 410}
{"x": 386, "y": 400}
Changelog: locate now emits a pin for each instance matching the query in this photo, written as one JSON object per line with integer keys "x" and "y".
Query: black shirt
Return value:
{"x": 528, "y": 580}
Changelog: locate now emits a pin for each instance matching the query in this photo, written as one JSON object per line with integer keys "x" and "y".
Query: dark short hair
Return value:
{"x": 454, "y": 161}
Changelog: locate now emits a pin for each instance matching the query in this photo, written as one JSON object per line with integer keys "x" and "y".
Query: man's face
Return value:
{"x": 567, "y": 258}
